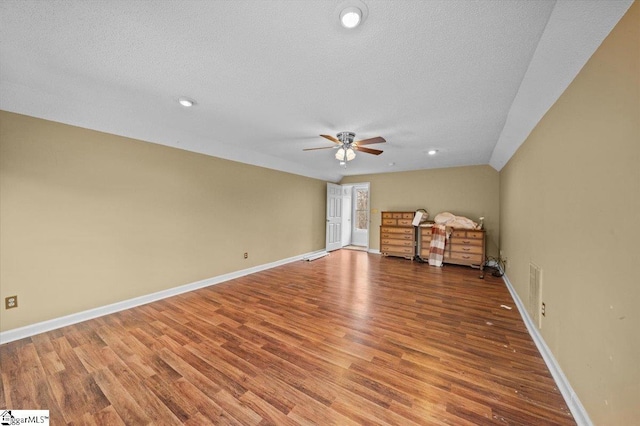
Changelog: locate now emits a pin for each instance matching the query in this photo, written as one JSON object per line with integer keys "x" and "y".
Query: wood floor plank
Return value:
{"x": 237, "y": 408}
{"x": 170, "y": 399}
{"x": 107, "y": 416}
{"x": 205, "y": 403}
{"x": 145, "y": 393}
{"x": 269, "y": 414}
{"x": 128, "y": 409}
{"x": 195, "y": 374}
{"x": 351, "y": 338}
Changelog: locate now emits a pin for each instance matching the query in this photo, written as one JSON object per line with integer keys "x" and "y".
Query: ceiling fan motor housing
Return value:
{"x": 346, "y": 137}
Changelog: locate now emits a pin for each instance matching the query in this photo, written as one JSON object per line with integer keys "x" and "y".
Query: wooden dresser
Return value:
{"x": 464, "y": 247}
{"x": 397, "y": 234}
{"x": 425, "y": 241}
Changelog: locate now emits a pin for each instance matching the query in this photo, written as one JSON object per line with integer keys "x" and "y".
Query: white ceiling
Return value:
{"x": 468, "y": 78}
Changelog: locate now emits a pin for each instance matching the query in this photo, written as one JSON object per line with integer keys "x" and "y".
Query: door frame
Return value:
{"x": 334, "y": 219}
{"x": 347, "y": 213}
{"x": 355, "y": 186}
{"x": 330, "y": 230}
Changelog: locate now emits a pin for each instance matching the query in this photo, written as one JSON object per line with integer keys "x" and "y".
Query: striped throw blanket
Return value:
{"x": 436, "y": 249}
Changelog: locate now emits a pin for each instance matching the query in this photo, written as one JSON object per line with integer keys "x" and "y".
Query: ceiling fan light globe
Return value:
{"x": 351, "y": 154}
{"x": 340, "y": 154}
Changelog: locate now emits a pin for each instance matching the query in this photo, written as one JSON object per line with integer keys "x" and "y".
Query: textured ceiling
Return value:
{"x": 468, "y": 78}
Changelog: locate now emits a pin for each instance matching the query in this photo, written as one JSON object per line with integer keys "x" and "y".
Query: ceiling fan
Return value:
{"x": 347, "y": 147}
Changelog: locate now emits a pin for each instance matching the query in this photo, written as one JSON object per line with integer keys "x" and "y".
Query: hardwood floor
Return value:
{"x": 351, "y": 338}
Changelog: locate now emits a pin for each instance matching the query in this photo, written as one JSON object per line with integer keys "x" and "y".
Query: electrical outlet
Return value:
{"x": 11, "y": 302}
{"x": 543, "y": 309}
{"x": 246, "y": 255}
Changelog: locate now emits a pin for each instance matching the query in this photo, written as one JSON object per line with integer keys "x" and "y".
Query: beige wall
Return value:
{"x": 466, "y": 191}
{"x": 88, "y": 219}
{"x": 570, "y": 202}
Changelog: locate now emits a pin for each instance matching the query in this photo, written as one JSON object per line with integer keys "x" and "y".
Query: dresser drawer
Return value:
{"x": 396, "y": 236}
{"x": 392, "y": 242}
{"x": 388, "y": 249}
{"x": 466, "y": 241}
{"x": 467, "y": 234}
{"x": 387, "y": 215}
{"x": 396, "y": 215}
{"x": 391, "y": 230}
{"x": 405, "y": 222}
{"x": 475, "y": 234}
{"x": 460, "y": 248}
{"x": 387, "y": 221}
{"x": 466, "y": 257}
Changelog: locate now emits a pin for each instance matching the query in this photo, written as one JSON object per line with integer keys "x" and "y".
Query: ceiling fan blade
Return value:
{"x": 331, "y": 138}
{"x": 324, "y": 147}
{"x": 377, "y": 139}
{"x": 367, "y": 150}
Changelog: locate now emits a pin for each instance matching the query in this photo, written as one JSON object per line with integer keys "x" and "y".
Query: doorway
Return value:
{"x": 348, "y": 217}
{"x": 360, "y": 215}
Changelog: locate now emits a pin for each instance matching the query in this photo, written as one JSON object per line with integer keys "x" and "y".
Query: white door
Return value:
{"x": 360, "y": 223}
{"x": 334, "y": 217}
{"x": 346, "y": 214}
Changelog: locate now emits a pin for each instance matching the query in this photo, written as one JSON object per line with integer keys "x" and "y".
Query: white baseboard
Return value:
{"x": 317, "y": 255}
{"x": 578, "y": 411}
{"x": 41, "y": 327}
{"x": 373, "y": 251}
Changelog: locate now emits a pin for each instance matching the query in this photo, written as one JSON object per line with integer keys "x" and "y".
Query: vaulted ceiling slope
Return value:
{"x": 469, "y": 79}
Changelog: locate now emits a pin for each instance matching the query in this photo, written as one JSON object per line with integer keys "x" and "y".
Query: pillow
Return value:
{"x": 453, "y": 221}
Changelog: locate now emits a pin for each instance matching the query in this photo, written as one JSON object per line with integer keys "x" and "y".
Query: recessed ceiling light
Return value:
{"x": 350, "y": 17}
{"x": 186, "y": 102}
{"x": 432, "y": 152}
